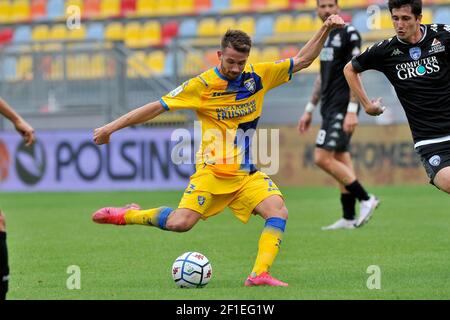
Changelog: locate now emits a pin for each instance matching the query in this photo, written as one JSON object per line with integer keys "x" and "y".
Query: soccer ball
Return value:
{"x": 191, "y": 270}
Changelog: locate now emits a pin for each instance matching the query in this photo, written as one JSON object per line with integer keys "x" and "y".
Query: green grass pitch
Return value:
{"x": 408, "y": 239}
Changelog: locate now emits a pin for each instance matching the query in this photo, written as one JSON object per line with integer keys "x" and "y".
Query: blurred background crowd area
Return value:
{"x": 53, "y": 53}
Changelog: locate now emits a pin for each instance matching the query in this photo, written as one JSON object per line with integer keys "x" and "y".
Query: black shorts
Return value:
{"x": 434, "y": 157}
{"x": 331, "y": 135}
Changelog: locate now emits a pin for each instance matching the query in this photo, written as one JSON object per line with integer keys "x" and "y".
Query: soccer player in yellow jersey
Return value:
{"x": 228, "y": 101}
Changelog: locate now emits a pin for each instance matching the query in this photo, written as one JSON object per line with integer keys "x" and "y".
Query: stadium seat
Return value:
{"x": 270, "y": 54}
{"x": 5, "y": 11}
{"x": 20, "y": 11}
{"x": 184, "y": 7}
{"x": 442, "y": 16}
{"x": 220, "y": 5}
{"x": 40, "y": 33}
{"x": 289, "y": 52}
{"x": 238, "y": 6}
{"x": 146, "y": 8}
{"x": 55, "y": 9}
{"x": 6, "y": 35}
{"x": 9, "y": 69}
{"x": 95, "y": 31}
{"x": 274, "y": 5}
{"x": 166, "y": 8}
{"x": 22, "y": 34}
{"x": 303, "y": 23}
{"x": 225, "y": 24}
{"x": 247, "y": 24}
{"x": 169, "y": 65}
{"x": 156, "y": 62}
{"x": 211, "y": 59}
{"x": 202, "y": 6}
{"x": 360, "y": 21}
{"x": 38, "y": 9}
{"x": 188, "y": 28}
{"x": 386, "y": 22}
{"x": 193, "y": 63}
{"x": 137, "y": 65}
{"x": 264, "y": 27}
{"x": 132, "y": 35}
{"x": 98, "y": 66}
{"x": 128, "y": 8}
{"x": 77, "y": 3}
{"x": 169, "y": 30}
{"x": 151, "y": 33}
{"x": 255, "y": 55}
{"x": 114, "y": 31}
{"x": 110, "y": 9}
{"x": 297, "y": 4}
{"x": 77, "y": 34}
{"x": 283, "y": 24}
{"x": 58, "y": 32}
{"x": 208, "y": 27}
{"x": 24, "y": 68}
{"x": 258, "y": 5}
{"x": 91, "y": 9}
{"x": 427, "y": 16}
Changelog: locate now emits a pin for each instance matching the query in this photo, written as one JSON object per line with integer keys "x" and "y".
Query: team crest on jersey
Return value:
{"x": 201, "y": 200}
{"x": 415, "y": 53}
{"x": 250, "y": 85}
{"x": 436, "y": 46}
{"x": 435, "y": 160}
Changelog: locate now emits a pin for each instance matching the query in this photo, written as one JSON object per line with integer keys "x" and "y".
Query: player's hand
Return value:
{"x": 26, "y": 131}
{"x": 334, "y": 21}
{"x": 375, "y": 108}
{"x": 304, "y": 123}
{"x": 350, "y": 122}
{"x": 101, "y": 135}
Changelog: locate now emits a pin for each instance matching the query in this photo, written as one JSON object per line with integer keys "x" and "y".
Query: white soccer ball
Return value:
{"x": 191, "y": 270}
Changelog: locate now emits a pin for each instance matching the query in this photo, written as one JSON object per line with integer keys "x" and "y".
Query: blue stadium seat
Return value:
{"x": 55, "y": 9}
{"x": 22, "y": 34}
{"x": 220, "y": 5}
{"x": 169, "y": 69}
{"x": 359, "y": 20}
{"x": 264, "y": 27}
{"x": 442, "y": 15}
{"x": 10, "y": 68}
{"x": 95, "y": 31}
{"x": 188, "y": 28}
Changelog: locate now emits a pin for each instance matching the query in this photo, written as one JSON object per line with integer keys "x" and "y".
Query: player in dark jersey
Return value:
{"x": 339, "y": 113}
{"x": 417, "y": 63}
{"x": 28, "y": 134}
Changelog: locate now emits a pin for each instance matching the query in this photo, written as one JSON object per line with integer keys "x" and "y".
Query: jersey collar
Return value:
{"x": 216, "y": 70}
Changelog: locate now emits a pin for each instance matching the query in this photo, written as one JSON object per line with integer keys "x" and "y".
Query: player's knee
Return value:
{"x": 283, "y": 213}
{"x": 322, "y": 160}
{"x": 179, "y": 225}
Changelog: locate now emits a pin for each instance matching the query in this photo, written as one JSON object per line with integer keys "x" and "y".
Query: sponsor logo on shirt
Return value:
{"x": 414, "y": 69}
{"x": 327, "y": 54}
{"x": 396, "y": 52}
{"x": 436, "y": 46}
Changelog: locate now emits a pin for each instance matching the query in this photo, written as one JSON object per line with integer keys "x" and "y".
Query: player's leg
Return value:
{"x": 4, "y": 267}
{"x": 442, "y": 179}
{"x": 261, "y": 196}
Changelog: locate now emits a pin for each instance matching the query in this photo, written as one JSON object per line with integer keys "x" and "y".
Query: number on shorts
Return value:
{"x": 321, "y": 136}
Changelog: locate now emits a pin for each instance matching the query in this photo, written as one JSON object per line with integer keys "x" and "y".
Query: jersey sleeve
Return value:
{"x": 274, "y": 74}
{"x": 445, "y": 35}
{"x": 185, "y": 96}
{"x": 369, "y": 59}
{"x": 353, "y": 42}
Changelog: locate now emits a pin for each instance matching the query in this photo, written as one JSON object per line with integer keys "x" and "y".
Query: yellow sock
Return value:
{"x": 269, "y": 244}
{"x": 156, "y": 217}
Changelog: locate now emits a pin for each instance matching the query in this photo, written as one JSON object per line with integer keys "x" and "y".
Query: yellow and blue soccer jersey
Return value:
{"x": 229, "y": 111}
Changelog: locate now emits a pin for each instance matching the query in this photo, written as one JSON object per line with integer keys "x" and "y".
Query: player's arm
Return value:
{"x": 304, "y": 122}
{"x": 374, "y": 108}
{"x": 134, "y": 117}
{"x": 311, "y": 49}
{"x": 351, "y": 117}
{"x": 25, "y": 130}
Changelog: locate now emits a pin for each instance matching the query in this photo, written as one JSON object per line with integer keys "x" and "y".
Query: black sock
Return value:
{"x": 348, "y": 202}
{"x": 4, "y": 268}
{"x": 358, "y": 191}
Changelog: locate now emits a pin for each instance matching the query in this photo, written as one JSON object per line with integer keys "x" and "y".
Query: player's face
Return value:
{"x": 405, "y": 22}
{"x": 232, "y": 62}
{"x": 326, "y": 8}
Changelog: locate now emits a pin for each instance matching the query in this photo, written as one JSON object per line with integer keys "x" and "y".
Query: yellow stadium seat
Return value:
{"x": 77, "y": 34}
{"x": 270, "y": 54}
{"x": 109, "y": 8}
{"x": 207, "y": 27}
{"x": 225, "y": 24}
{"x": 239, "y": 5}
{"x": 386, "y": 21}
{"x": 76, "y": 3}
{"x": 310, "y": 4}
{"x": 255, "y": 55}
{"x": 40, "y": 33}
{"x": 98, "y": 64}
{"x": 166, "y": 7}
{"x": 20, "y": 10}
{"x": 184, "y": 7}
{"x": 304, "y": 23}
{"x": 25, "y": 68}
{"x": 114, "y": 31}
{"x": 274, "y": 5}
{"x": 151, "y": 34}
{"x": 193, "y": 64}
{"x": 156, "y": 62}
{"x": 5, "y": 11}
{"x": 132, "y": 35}
{"x": 58, "y": 32}
{"x": 146, "y": 8}
{"x": 283, "y": 24}
{"x": 247, "y": 24}
{"x": 136, "y": 65}
{"x": 427, "y": 16}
